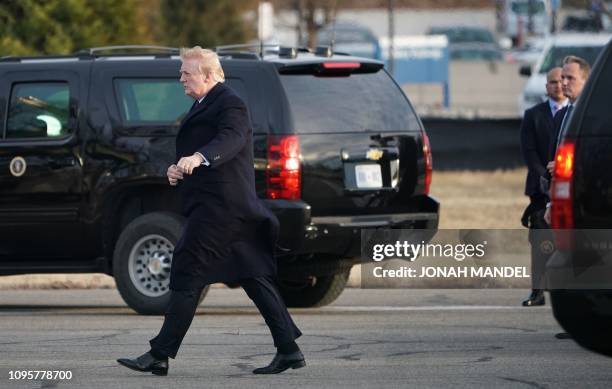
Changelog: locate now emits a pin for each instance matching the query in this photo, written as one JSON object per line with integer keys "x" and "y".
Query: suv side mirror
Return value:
{"x": 525, "y": 70}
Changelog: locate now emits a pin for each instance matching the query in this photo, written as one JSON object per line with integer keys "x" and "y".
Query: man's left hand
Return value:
{"x": 187, "y": 164}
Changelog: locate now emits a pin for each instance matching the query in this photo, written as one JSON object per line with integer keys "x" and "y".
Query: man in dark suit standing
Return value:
{"x": 537, "y": 130}
{"x": 574, "y": 76}
{"x": 229, "y": 235}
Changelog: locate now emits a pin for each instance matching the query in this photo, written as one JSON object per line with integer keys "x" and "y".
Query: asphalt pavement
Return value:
{"x": 366, "y": 339}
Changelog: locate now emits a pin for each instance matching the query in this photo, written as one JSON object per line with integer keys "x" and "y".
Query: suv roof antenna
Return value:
{"x": 260, "y": 29}
{"x": 334, "y": 13}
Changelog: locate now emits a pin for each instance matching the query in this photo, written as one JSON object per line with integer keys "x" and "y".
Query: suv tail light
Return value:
{"x": 428, "y": 162}
{"x": 562, "y": 210}
{"x": 283, "y": 172}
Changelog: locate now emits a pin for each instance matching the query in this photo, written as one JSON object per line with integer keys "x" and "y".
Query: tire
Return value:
{"x": 142, "y": 260}
{"x": 313, "y": 291}
{"x": 586, "y": 315}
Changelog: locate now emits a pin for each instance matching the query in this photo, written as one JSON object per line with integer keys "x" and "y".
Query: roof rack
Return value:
{"x": 244, "y": 46}
{"x": 93, "y": 51}
{"x": 38, "y": 58}
{"x": 88, "y": 53}
{"x": 238, "y": 54}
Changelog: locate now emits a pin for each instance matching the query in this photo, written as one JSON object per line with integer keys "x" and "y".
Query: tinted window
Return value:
{"x": 158, "y": 100}
{"x": 462, "y": 35}
{"x": 361, "y": 102}
{"x": 598, "y": 116}
{"x": 152, "y": 100}
{"x": 522, "y": 7}
{"x": 555, "y": 55}
{"x": 471, "y": 53}
{"x": 39, "y": 110}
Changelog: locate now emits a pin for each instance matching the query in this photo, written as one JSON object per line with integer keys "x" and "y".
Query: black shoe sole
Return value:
{"x": 160, "y": 372}
{"x": 533, "y": 303}
{"x": 294, "y": 365}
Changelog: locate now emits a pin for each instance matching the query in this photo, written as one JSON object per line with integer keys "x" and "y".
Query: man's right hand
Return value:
{"x": 551, "y": 167}
{"x": 174, "y": 174}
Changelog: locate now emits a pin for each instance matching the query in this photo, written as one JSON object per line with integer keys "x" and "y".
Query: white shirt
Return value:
{"x": 556, "y": 106}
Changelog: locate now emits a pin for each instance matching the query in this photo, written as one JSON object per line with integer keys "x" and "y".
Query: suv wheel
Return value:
{"x": 313, "y": 291}
{"x": 142, "y": 260}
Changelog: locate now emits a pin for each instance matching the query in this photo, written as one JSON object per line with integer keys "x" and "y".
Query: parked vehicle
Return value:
{"x": 587, "y": 46}
{"x": 582, "y": 214}
{"x": 469, "y": 43}
{"x": 86, "y": 140}
{"x": 350, "y": 38}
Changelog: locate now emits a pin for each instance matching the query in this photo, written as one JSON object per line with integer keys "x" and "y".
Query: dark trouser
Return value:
{"x": 183, "y": 303}
{"x": 541, "y": 240}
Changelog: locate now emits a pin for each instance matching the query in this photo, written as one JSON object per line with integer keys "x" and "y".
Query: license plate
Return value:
{"x": 368, "y": 176}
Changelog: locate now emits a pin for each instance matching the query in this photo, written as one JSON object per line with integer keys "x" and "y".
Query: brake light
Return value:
{"x": 564, "y": 161}
{"x": 428, "y": 162}
{"x": 562, "y": 210}
{"x": 283, "y": 172}
{"x": 341, "y": 65}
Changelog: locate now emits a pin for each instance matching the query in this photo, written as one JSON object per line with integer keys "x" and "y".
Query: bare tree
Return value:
{"x": 311, "y": 16}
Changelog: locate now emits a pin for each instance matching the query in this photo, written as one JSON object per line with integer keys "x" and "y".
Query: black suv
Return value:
{"x": 86, "y": 140}
{"x": 582, "y": 214}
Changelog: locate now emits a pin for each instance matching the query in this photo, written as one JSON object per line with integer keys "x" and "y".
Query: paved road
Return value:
{"x": 368, "y": 338}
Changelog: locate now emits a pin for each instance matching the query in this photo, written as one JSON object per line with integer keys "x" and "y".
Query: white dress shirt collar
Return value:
{"x": 556, "y": 106}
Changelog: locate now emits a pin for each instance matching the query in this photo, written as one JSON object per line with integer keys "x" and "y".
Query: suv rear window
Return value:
{"x": 358, "y": 103}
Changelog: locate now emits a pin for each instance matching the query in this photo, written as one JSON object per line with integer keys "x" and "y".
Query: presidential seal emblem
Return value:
{"x": 17, "y": 166}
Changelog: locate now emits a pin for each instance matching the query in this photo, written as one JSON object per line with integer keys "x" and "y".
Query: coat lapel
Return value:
{"x": 208, "y": 100}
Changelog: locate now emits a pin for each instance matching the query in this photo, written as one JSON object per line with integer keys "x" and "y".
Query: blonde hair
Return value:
{"x": 208, "y": 61}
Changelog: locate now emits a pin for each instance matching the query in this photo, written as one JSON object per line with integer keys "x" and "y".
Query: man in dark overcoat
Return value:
{"x": 537, "y": 131}
{"x": 229, "y": 235}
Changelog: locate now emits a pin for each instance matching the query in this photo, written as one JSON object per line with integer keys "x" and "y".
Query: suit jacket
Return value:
{"x": 537, "y": 130}
{"x": 558, "y": 122}
{"x": 229, "y": 234}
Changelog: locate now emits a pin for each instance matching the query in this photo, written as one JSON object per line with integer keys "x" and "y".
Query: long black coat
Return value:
{"x": 537, "y": 132}
{"x": 229, "y": 234}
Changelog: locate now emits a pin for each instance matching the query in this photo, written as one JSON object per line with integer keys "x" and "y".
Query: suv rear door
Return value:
{"x": 360, "y": 140}
{"x": 40, "y": 164}
{"x": 593, "y": 185}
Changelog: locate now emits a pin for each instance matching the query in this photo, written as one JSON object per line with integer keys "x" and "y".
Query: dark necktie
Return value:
{"x": 194, "y": 106}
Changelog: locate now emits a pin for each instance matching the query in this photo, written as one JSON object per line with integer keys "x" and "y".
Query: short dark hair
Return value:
{"x": 584, "y": 66}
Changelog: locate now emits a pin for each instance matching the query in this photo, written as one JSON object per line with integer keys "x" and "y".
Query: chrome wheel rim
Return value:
{"x": 149, "y": 265}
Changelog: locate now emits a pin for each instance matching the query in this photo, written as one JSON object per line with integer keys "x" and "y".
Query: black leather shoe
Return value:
{"x": 563, "y": 335}
{"x": 535, "y": 298}
{"x": 146, "y": 363}
{"x": 282, "y": 362}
